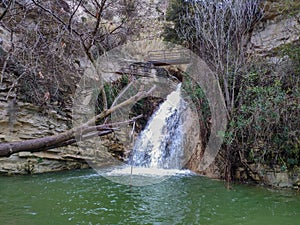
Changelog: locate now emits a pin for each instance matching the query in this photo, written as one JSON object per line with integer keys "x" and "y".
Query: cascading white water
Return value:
{"x": 163, "y": 148}
{"x": 160, "y": 144}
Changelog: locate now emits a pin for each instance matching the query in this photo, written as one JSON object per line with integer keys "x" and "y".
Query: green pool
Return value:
{"x": 84, "y": 197}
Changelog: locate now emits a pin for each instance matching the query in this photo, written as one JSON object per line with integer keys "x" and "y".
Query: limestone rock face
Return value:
{"x": 152, "y": 18}
{"x": 280, "y": 179}
{"x": 21, "y": 121}
{"x": 277, "y": 177}
{"x": 275, "y": 33}
{"x": 38, "y": 163}
{"x": 281, "y": 25}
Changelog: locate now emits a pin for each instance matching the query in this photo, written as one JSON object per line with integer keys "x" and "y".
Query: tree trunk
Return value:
{"x": 83, "y": 132}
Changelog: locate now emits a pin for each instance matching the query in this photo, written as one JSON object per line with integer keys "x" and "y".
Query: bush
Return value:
{"x": 265, "y": 124}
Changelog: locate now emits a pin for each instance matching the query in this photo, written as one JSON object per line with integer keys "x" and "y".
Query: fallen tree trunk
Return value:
{"x": 83, "y": 132}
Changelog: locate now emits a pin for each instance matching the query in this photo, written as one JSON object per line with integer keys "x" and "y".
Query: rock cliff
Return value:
{"x": 20, "y": 121}
{"x": 280, "y": 26}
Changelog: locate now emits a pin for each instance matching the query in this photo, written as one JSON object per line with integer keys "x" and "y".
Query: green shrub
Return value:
{"x": 265, "y": 123}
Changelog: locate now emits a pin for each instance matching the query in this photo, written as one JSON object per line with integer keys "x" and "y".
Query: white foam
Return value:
{"x": 160, "y": 144}
{"x": 142, "y": 171}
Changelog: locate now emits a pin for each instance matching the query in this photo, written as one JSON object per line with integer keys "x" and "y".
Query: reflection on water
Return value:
{"x": 83, "y": 197}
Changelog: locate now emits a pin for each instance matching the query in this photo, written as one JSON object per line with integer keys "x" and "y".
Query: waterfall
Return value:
{"x": 160, "y": 144}
{"x": 163, "y": 148}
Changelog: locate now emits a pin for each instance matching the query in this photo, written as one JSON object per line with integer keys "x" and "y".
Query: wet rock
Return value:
{"x": 241, "y": 174}
{"x": 33, "y": 163}
{"x": 276, "y": 176}
{"x": 278, "y": 179}
{"x": 297, "y": 184}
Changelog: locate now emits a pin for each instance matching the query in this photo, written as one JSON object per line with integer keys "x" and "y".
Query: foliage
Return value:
{"x": 265, "y": 125}
{"x": 282, "y": 7}
{"x": 262, "y": 97}
{"x": 197, "y": 95}
{"x": 112, "y": 90}
{"x": 292, "y": 52}
{"x": 173, "y": 14}
{"x": 198, "y": 98}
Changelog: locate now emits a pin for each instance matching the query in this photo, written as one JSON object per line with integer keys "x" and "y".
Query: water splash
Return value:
{"x": 162, "y": 148}
{"x": 160, "y": 145}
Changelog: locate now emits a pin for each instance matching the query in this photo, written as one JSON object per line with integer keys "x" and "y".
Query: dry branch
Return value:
{"x": 70, "y": 136}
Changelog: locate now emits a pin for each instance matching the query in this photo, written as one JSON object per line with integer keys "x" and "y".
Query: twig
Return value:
{"x": 6, "y": 10}
{"x": 14, "y": 84}
{"x": 56, "y": 17}
{"x": 8, "y": 56}
{"x": 71, "y": 17}
{"x": 133, "y": 99}
{"x": 131, "y": 164}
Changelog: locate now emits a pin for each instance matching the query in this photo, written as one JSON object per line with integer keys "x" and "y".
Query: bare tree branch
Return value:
{"x": 49, "y": 142}
{"x": 73, "y": 14}
{"x": 218, "y": 31}
{"x": 6, "y": 9}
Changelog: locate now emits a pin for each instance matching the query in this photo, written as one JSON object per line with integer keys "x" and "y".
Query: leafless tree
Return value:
{"x": 219, "y": 30}
{"x": 51, "y": 42}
